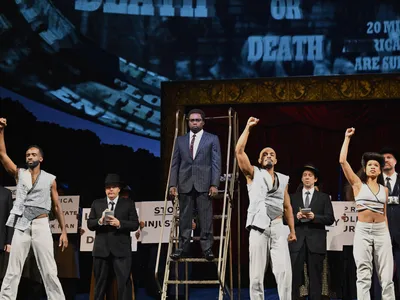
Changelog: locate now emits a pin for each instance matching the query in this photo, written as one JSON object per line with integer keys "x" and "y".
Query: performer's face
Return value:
{"x": 308, "y": 179}
{"x": 33, "y": 158}
{"x": 267, "y": 158}
{"x": 390, "y": 162}
{"x": 112, "y": 191}
{"x": 196, "y": 122}
{"x": 373, "y": 169}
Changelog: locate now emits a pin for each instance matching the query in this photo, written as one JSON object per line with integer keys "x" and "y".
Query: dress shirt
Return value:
{"x": 196, "y": 141}
{"x": 311, "y": 191}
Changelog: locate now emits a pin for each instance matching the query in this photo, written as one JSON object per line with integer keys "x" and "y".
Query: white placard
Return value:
{"x": 152, "y": 212}
{"x": 341, "y": 233}
{"x": 70, "y": 207}
{"x": 88, "y": 236}
{"x": 13, "y": 190}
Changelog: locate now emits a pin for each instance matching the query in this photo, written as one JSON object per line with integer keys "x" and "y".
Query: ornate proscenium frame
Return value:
{"x": 179, "y": 94}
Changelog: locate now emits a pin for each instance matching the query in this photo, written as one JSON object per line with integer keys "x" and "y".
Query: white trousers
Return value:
{"x": 271, "y": 245}
{"x": 372, "y": 243}
{"x": 38, "y": 235}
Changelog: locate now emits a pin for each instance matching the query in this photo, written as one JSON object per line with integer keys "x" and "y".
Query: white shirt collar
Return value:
{"x": 115, "y": 201}
{"x": 393, "y": 178}
{"x": 198, "y": 135}
{"x": 311, "y": 192}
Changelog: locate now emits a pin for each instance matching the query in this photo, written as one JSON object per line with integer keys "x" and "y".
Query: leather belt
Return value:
{"x": 257, "y": 228}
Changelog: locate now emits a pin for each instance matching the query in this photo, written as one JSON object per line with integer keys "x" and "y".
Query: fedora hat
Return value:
{"x": 113, "y": 179}
{"x": 389, "y": 150}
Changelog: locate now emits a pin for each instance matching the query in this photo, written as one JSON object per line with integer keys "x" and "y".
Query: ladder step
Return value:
{"x": 193, "y": 282}
{"x": 197, "y": 238}
{"x": 218, "y": 217}
{"x": 195, "y": 260}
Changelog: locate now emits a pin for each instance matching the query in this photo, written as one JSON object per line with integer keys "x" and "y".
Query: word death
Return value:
{"x": 285, "y": 48}
{"x": 165, "y": 8}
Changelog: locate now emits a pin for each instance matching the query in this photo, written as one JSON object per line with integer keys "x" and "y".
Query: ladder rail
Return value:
{"x": 235, "y": 173}
{"x": 226, "y": 188}
{"x": 165, "y": 211}
{"x": 232, "y": 183}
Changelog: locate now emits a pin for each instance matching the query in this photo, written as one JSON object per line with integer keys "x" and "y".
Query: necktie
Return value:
{"x": 388, "y": 185}
{"x": 112, "y": 205}
{"x": 307, "y": 203}
{"x": 192, "y": 146}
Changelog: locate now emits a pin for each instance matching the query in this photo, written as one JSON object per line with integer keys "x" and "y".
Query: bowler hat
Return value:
{"x": 312, "y": 168}
{"x": 113, "y": 179}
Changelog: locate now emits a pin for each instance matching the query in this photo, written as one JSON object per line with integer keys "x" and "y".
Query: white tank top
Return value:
{"x": 366, "y": 199}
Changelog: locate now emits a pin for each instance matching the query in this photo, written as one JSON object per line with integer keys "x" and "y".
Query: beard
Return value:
{"x": 195, "y": 129}
{"x": 33, "y": 165}
{"x": 269, "y": 165}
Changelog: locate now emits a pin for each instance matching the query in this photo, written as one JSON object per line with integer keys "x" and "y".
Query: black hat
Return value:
{"x": 113, "y": 179}
{"x": 367, "y": 156}
{"x": 386, "y": 150}
{"x": 312, "y": 168}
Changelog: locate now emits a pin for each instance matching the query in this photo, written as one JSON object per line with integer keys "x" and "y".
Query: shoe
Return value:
{"x": 179, "y": 253}
{"x": 209, "y": 255}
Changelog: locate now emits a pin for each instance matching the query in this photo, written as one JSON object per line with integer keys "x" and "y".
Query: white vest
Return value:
{"x": 261, "y": 200}
{"x": 38, "y": 196}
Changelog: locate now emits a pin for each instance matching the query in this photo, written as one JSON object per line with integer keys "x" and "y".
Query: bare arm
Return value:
{"x": 6, "y": 161}
{"x": 351, "y": 177}
{"x": 60, "y": 215}
{"x": 385, "y": 206}
{"x": 288, "y": 211}
{"x": 241, "y": 156}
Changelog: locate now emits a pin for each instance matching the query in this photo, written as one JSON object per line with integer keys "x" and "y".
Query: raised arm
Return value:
{"x": 7, "y": 163}
{"x": 351, "y": 177}
{"x": 241, "y": 156}
{"x": 60, "y": 216}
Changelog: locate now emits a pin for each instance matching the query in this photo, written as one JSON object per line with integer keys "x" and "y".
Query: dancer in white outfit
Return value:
{"x": 371, "y": 238}
{"x": 36, "y": 193}
{"x": 269, "y": 200}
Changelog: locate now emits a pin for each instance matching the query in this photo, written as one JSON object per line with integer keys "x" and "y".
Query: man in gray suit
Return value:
{"x": 195, "y": 174}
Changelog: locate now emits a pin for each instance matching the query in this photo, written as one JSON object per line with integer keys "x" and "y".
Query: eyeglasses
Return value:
{"x": 195, "y": 120}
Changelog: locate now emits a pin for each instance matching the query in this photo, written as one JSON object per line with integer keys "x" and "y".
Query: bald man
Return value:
{"x": 269, "y": 201}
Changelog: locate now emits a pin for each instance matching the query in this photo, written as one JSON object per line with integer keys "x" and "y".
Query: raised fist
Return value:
{"x": 3, "y": 123}
{"x": 350, "y": 132}
{"x": 252, "y": 122}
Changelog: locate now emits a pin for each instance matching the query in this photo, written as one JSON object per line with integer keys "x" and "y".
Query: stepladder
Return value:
{"x": 177, "y": 271}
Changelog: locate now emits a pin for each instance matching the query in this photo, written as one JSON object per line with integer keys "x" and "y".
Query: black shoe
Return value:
{"x": 209, "y": 255}
{"x": 179, "y": 253}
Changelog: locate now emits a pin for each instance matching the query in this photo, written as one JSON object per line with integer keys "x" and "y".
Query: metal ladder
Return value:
{"x": 230, "y": 195}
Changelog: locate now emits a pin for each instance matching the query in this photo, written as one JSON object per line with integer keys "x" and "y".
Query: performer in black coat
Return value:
{"x": 314, "y": 211}
{"x": 113, "y": 218}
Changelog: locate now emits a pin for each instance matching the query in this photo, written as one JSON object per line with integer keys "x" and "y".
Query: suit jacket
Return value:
{"x": 314, "y": 231}
{"x": 201, "y": 172}
{"x": 109, "y": 239}
{"x": 6, "y": 204}
{"x": 393, "y": 215}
